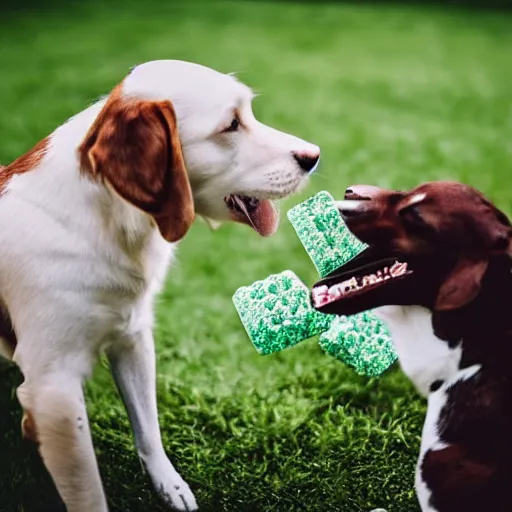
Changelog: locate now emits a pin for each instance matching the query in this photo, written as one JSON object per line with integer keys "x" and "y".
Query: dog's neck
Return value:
{"x": 485, "y": 325}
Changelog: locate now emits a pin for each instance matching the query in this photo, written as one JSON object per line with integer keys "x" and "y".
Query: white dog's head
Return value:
{"x": 235, "y": 164}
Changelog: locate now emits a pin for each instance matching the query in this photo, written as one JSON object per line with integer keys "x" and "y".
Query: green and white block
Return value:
{"x": 362, "y": 342}
{"x": 276, "y": 312}
{"x": 324, "y": 235}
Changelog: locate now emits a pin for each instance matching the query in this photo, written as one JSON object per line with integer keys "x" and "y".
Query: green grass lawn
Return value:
{"x": 394, "y": 96}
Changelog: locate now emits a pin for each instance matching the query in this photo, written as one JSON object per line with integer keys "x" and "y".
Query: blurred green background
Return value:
{"x": 395, "y": 95}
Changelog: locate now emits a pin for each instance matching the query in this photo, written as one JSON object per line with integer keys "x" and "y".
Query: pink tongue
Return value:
{"x": 264, "y": 218}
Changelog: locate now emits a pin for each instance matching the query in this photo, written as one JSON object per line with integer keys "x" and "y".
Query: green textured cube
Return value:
{"x": 324, "y": 235}
{"x": 276, "y": 312}
{"x": 361, "y": 341}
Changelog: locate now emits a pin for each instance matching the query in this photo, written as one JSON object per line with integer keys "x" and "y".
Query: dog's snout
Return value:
{"x": 361, "y": 192}
{"x": 350, "y": 208}
{"x": 308, "y": 162}
{"x": 359, "y": 201}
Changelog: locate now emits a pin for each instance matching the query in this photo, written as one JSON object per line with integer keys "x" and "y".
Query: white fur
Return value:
{"x": 80, "y": 267}
{"x": 425, "y": 358}
{"x": 415, "y": 199}
{"x": 350, "y": 204}
{"x": 430, "y": 440}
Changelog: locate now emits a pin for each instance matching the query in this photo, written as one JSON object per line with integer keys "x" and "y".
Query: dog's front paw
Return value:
{"x": 173, "y": 490}
{"x": 177, "y": 494}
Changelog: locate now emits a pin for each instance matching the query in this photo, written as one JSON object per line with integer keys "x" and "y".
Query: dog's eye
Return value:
{"x": 233, "y": 127}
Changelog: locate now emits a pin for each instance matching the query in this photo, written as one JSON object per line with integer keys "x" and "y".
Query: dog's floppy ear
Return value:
{"x": 462, "y": 284}
{"x": 497, "y": 231}
{"x": 494, "y": 232}
{"x": 134, "y": 145}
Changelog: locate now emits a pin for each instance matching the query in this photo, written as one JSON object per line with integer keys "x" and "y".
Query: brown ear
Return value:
{"x": 135, "y": 146}
{"x": 496, "y": 229}
{"x": 502, "y": 240}
{"x": 462, "y": 285}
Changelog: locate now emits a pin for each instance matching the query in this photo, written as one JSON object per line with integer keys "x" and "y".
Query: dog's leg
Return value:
{"x": 56, "y": 418}
{"x": 133, "y": 368}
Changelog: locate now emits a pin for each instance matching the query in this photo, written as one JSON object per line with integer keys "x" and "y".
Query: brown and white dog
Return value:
{"x": 89, "y": 220}
{"x": 448, "y": 303}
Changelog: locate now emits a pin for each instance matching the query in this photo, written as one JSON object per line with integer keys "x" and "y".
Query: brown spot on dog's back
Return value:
{"x": 24, "y": 163}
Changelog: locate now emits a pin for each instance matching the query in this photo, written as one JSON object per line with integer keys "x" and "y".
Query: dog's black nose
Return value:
{"x": 307, "y": 163}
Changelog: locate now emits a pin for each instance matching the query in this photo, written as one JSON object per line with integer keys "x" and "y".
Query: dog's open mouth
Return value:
{"x": 325, "y": 294}
{"x": 367, "y": 281}
{"x": 261, "y": 214}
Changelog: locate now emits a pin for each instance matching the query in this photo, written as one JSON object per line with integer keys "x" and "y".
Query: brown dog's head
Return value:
{"x": 431, "y": 246}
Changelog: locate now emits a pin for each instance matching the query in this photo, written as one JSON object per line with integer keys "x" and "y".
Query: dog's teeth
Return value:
{"x": 321, "y": 290}
{"x": 317, "y": 294}
{"x": 324, "y": 300}
{"x": 370, "y": 279}
{"x": 332, "y": 290}
{"x": 350, "y": 285}
{"x": 398, "y": 269}
{"x": 339, "y": 290}
{"x": 321, "y": 296}
{"x": 335, "y": 291}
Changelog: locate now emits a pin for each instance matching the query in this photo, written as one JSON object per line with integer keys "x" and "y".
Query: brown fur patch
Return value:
{"x": 134, "y": 145}
{"x": 28, "y": 427}
{"x": 24, "y": 163}
{"x": 461, "y": 482}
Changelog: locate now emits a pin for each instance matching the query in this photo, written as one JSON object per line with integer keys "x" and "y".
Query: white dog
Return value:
{"x": 88, "y": 224}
